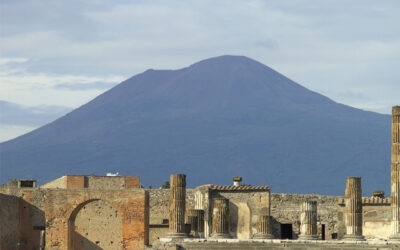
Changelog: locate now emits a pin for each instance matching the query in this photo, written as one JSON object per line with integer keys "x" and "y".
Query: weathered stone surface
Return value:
{"x": 220, "y": 218}
{"x": 395, "y": 173}
{"x": 308, "y": 220}
{"x": 264, "y": 228}
{"x": 353, "y": 201}
{"x": 177, "y": 206}
{"x": 63, "y": 206}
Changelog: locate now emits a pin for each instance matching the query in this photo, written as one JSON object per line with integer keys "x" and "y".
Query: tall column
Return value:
{"x": 353, "y": 209}
{"x": 220, "y": 218}
{"x": 177, "y": 203}
{"x": 308, "y": 220}
{"x": 264, "y": 227}
{"x": 395, "y": 173}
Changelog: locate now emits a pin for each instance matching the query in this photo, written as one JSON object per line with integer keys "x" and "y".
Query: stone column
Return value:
{"x": 308, "y": 220}
{"x": 264, "y": 227}
{"x": 177, "y": 203}
{"x": 353, "y": 209}
{"x": 195, "y": 217}
{"x": 395, "y": 173}
{"x": 220, "y": 218}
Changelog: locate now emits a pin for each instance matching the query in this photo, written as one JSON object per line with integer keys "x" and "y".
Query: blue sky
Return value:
{"x": 57, "y": 55}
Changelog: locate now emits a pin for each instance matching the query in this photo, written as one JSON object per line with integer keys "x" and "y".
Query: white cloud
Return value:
{"x": 66, "y": 53}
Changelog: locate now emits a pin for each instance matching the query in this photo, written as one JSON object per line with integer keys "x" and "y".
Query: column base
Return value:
{"x": 220, "y": 236}
{"x": 308, "y": 237}
{"x": 394, "y": 237}
{"x": 353, "y": 238}
{"x": 177, "y": 235}
{"x": 263, "y": 236}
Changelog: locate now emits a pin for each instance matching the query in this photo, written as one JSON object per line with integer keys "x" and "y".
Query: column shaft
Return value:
{"x": 264, "y": 227}
{"x": 353, "y": 197}
{"x": 308, "y": 220}
{"x": 220, "y": 218}
{"x": 177, "y": 204}
{"x": 395, "y": 173}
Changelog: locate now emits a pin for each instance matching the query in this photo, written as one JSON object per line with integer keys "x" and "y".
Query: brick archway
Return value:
{"x": 62, "y": 206}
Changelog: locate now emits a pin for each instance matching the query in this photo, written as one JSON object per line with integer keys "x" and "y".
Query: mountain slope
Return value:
{"x": 218, "y": 118}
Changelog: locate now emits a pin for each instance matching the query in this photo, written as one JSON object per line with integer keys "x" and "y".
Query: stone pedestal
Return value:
{"x": 353, "y": 215}
{"x": 264, "y": 227}
{"x": 220, "y": 218}
{"x": 177, "y": 204}
{"x": 308, "y": 220}
{"x": 395, "y": 174}
{"x": 195, "y": 217}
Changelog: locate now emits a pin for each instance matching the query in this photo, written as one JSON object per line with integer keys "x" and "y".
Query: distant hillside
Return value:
{"x": 221, "y": 117}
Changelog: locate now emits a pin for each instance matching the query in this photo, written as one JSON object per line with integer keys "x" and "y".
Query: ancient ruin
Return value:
{"x": 116, "y": 212}
{"x": 395, "y": 173}
{"x": 353, "y": 200}
{"x": 308, "y": 220}
{"x": 177, "y": 206}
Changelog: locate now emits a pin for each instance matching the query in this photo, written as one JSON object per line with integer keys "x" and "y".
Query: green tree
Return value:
{"x": 165, "y": 185}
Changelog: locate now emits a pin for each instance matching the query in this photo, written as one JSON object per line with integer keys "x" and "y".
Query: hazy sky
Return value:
{"x": 57, "y": 55}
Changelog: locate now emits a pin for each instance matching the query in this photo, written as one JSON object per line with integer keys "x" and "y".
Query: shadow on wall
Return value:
{"x": 82, "y": 241}
{"x": 233, "y": 220}
{"x": 21, "y": 224}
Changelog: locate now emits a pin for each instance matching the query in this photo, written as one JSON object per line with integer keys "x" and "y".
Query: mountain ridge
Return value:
{"x": 227, "y": 115}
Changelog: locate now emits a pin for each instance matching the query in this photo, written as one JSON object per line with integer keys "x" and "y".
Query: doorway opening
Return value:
{"x": 286, "y": 231}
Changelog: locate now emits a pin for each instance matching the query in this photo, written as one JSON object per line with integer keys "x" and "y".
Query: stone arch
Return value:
{"x": 99, "y": 217}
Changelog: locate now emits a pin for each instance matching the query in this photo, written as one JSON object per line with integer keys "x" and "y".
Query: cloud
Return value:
{"x": 16, "y": 115}
{"x": 65, "y": 53}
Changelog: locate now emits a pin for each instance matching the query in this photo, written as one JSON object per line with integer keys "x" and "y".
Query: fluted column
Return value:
{"x": 177, "y": 204}
{"x": 264, "y": 227}
{"x": 353, "y": 209}
{"x": 395, "y": 173}
{"x": 195, "y": 217}
{"x": 220, "y": 218}
{"x": 308, "y": 220}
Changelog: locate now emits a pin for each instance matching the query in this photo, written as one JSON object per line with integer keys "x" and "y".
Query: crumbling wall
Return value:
{"x": 63, "y": 207}
{"x": 98, "y": 225}
{"x": 159, "y": 200}
{"x": 8, "y": 219}
{"x": 286, "y": 208}
{"x": 57, "y": 183}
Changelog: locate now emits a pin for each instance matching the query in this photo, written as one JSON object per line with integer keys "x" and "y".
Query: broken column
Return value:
{"x": 195, "y": 217}
{"x": 395, "y": 173}
{"x": 220, "y": 218}
{"x": 308, "y": 220}
{"x": 353, "y": 201}
{"x": 177, "y": 203}
{"x": 264, "y": 227}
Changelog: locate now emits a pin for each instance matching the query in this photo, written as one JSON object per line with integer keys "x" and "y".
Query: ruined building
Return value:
{"x": 115, "y": 212}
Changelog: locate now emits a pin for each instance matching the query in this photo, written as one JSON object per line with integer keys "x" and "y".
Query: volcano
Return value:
{"x": 220, "y": 117}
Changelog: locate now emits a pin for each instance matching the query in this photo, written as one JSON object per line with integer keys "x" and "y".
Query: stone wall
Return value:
{"x": 286, "y": 208}
{"x": 94, "y": 182}
{"x": 8, "y": 218}
{"x": 159, "y": 200}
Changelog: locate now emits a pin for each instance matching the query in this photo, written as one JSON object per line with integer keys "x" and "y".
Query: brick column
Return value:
{"x": 353, "y": 209}
{"x": 264, "y": 227}
{"x": 308, "y": 220}
{"x": 395, "y": 173}
{"x": 220, "y": 218}
{"x": 177, "y": 204}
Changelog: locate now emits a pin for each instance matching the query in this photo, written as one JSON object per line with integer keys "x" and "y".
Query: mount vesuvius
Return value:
{"x": 221, "y": 117}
